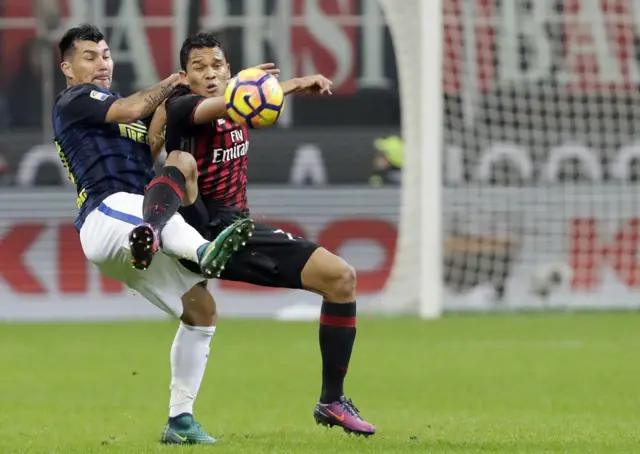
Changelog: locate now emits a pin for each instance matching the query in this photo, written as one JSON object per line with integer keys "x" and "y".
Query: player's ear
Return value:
{"x": 183, "y": 78}
{"x": 228, "y": 71}
{"x": 65, "y": 66}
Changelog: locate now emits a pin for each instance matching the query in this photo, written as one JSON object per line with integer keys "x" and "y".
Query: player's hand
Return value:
{"x": 315, "y": 84}
{"x": 269, "y": 68}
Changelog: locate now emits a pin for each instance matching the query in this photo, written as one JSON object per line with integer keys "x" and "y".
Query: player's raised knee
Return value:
{"x": 343, "y": 283}
{"x": 331, "y": 276}
{"x": 183, "y": 161}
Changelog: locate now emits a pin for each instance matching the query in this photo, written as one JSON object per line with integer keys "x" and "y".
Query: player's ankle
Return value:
{"x": 181, "y": 421}
{"x": 177, "y": 412}
{"x": 328, "y": 399}
{"x": 202, "y": 249}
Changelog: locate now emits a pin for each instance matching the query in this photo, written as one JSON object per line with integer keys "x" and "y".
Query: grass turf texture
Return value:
{"x": 508, "y": 384}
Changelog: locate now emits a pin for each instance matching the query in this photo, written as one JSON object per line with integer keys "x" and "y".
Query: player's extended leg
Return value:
{"x": 189, "y": 356}
{"x": 331, "y": 277}
{"x": 175, "y": 186}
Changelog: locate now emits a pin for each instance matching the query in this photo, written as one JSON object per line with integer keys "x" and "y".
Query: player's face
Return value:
{"x": 207, "y": 72}
{"x": 90, "y": 64}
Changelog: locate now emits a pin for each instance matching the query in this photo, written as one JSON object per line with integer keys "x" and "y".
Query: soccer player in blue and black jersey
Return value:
{"x": 103, "y": 141}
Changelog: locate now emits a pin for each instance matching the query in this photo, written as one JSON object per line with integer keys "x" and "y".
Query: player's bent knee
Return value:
{"x": 183, "y": 161}
{"x": 344, "y": 284}
{"x": 199, "y": 307}
{"x": 331, "y": 276}
{"x": 186, "y": 163}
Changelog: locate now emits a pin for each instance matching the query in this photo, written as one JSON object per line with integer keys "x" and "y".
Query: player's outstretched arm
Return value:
{"x": 307, "y": 84}
{"x": 143, "y": 103}
{"x": 209, "y": 110}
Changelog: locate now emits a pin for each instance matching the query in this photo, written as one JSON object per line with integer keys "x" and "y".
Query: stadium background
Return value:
{"x": 519, "y": 128}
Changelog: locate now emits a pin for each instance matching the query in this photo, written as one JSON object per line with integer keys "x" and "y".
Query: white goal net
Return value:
{"x": 537, "y": 160}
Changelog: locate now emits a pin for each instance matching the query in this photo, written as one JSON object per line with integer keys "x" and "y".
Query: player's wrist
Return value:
{"x": 291, "y": 85}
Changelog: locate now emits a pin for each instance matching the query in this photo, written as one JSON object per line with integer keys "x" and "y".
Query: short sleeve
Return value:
{"x": 180, "y": 109}
{"x": 86, "y": 104}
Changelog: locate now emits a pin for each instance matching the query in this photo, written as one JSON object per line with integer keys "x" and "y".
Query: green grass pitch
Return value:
{"x": 505, "y": 384}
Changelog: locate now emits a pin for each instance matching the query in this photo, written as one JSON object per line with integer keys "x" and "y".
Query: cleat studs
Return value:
{"x": 250, "y": 235}
{"x": 244, "y": 243}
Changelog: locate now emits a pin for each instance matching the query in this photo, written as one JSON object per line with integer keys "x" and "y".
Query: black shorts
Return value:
{"x": 271, "y": 257}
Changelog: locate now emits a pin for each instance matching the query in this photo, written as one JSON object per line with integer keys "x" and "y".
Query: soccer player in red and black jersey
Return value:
{"x": 199, "y": 132}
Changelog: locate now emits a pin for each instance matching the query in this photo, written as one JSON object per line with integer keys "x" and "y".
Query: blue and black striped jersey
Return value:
{"x": 101, "y": 158}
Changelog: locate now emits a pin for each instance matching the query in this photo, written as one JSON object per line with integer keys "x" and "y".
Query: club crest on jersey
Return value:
{"x": 98, "y": 95}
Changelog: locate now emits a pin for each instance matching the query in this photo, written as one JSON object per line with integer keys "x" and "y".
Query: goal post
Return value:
{"x": 521, "y": 178}
{"x": 415, "y": 282}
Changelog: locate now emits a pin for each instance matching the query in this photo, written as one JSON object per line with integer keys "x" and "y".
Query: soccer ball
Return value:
{"x": 254, "y": 98}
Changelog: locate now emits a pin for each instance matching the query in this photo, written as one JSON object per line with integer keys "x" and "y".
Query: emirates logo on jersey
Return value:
{"x": 228, "y": 154}
{"x": 239, "y": 149}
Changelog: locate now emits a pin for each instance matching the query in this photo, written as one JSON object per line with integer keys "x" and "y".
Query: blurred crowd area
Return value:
{"x": 318, "y": 138}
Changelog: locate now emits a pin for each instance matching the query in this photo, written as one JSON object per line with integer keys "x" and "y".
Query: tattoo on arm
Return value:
{"x": 154, "y": 97}
{"x": 157, "y": 140}
{"x": 144, "y": 103}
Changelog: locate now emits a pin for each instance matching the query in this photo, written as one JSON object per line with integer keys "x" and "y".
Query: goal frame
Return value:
{"x": 415, "y": 282}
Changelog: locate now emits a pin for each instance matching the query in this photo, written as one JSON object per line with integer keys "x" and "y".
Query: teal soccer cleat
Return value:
{"x": 213, "y": 256}
{"x": 183, "y": 430}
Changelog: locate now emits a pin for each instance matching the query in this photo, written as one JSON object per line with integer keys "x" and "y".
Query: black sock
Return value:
{"x": 163, "y": 197}
{"x": 196, "y": 215}
{"x": 337, "y": 335}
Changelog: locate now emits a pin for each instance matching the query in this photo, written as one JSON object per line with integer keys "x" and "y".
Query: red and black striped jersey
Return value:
{"x": 220, "y": 149}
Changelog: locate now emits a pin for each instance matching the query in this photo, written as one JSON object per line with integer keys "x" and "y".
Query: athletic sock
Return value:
{"x": 163, "y": 197}
{"x": 189, "y": 356}
{"x": 196, "y": 214}
{"x": 181, "y": 240}
{"x": 337, "y": 334}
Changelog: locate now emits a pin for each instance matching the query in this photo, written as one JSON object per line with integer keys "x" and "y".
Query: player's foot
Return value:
{"x": 213, "y": 256}
{"x": 344, "y": 414}
{"x": 183, "y": 430}
{"x": 144, "y": 243}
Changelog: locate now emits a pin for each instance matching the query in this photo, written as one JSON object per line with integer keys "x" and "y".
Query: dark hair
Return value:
{"x": 199, "y": 41}
{"x": 85, "y": 32}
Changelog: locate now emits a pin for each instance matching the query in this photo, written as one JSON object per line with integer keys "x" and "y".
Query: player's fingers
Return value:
{"x": 269, "y": 68}
{"x": 325, "y": 85}
{"x": 265, "y": 66}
